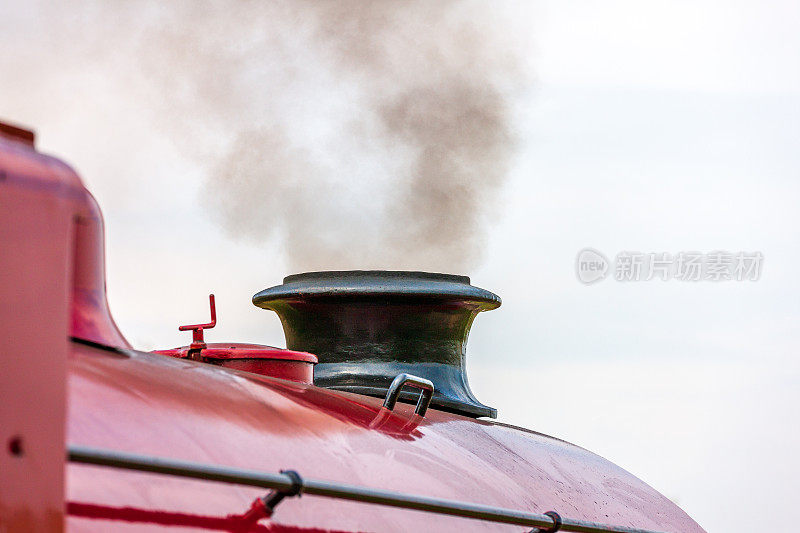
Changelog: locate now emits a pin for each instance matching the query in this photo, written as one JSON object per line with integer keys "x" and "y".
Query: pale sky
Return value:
{"x": 651, "y": 126}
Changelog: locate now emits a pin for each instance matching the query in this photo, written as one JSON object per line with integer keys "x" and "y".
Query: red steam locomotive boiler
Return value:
{"x": 365, "y": 423}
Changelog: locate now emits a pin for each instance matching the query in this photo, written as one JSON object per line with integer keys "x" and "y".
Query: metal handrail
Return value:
{"x": 289, "y": 483}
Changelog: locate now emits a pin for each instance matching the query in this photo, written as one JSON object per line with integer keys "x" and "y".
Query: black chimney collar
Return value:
{"x": 367, "y": 326}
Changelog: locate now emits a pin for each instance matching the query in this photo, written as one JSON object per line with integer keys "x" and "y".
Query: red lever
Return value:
{"x": 198, "y": 343}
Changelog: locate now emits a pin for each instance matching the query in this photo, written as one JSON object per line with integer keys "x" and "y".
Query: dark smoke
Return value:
{"x": 353, "y": 134}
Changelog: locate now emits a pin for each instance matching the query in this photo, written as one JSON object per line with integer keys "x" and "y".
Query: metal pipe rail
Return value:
{"x": 283, "y": 482}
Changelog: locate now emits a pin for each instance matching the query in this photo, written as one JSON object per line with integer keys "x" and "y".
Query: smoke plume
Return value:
{"x": 351, "y": 134}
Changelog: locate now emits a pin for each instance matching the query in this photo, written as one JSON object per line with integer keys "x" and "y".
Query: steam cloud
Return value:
{"x": 353, "y": 134}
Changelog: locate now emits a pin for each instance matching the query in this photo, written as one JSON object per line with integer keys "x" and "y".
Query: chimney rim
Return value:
{"x": 399, "y": 284}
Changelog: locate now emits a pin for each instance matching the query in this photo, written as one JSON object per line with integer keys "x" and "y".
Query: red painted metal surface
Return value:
{"x": 255, "y": 358}
{"x": 178, "y": 408}
{"x": 37, "y": 202}
{"x": 17, "y": 134}
{"x": 91, "y": 319}
{"x": 53, "y": 287}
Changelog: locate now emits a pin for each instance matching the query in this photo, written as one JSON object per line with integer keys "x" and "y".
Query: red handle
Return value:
{"x": 197, "y": 329}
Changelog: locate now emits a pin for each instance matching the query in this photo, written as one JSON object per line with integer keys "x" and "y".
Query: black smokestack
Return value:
{"x": 366, "y": 327}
